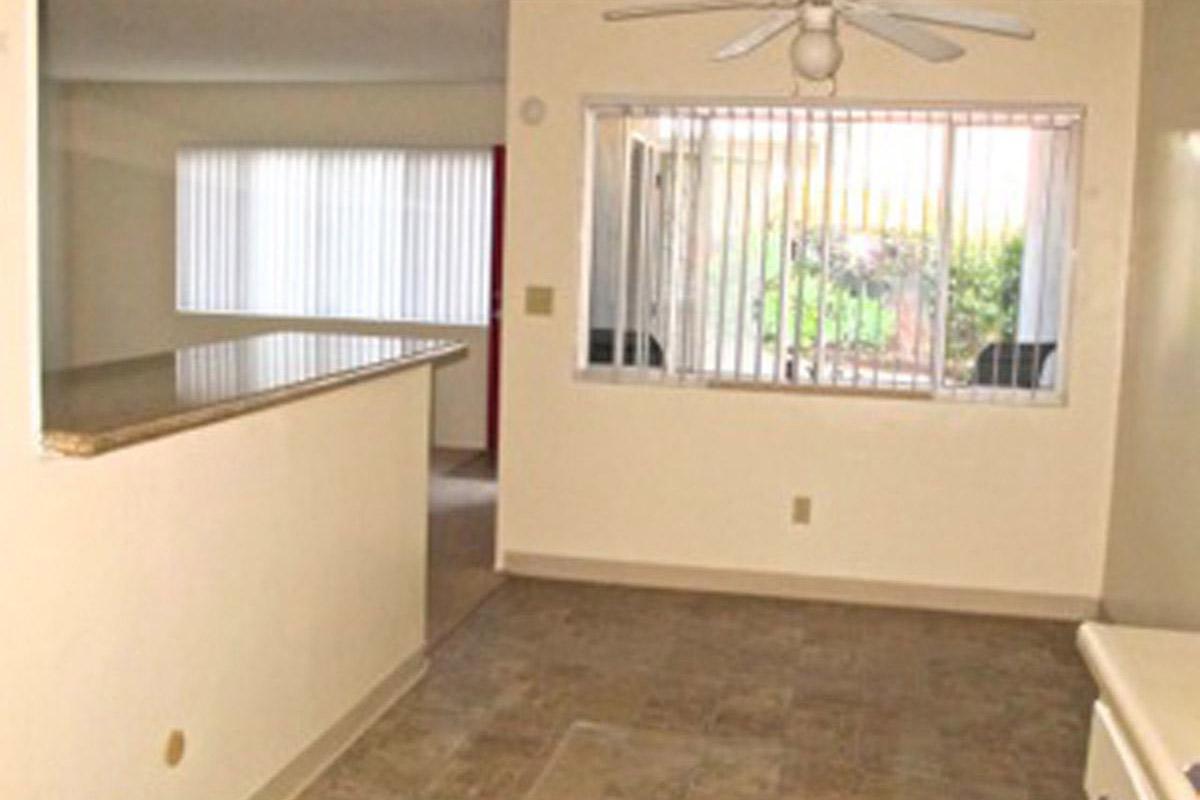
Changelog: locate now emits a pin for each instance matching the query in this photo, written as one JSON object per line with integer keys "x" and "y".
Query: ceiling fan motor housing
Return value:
{"x": 816, "y": 53}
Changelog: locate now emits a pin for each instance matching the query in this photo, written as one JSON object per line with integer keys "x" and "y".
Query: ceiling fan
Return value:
{"x": 816, "y": 53}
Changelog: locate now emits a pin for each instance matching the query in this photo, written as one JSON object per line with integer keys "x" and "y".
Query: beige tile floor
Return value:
{"x": 554, "y": 691}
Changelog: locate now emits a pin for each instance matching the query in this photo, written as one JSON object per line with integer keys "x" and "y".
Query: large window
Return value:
{"x": 913, "y": 250}
{"x": 397, "y": 235}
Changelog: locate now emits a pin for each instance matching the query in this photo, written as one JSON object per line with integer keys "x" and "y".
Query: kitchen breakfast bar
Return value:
{"x": 260, "y": 507}
{"x": 94, "y": 409}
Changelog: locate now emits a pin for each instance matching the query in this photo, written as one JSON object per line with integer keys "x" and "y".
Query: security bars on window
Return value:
{"x": 349, "y": 233}
{"x": 866, "y": 249}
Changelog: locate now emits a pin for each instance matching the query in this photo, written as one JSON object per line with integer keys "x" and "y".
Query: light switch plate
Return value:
{"x": 539, "y": 301}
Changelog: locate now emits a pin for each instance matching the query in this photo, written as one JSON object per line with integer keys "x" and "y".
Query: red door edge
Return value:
{"x": 499, "y": 175}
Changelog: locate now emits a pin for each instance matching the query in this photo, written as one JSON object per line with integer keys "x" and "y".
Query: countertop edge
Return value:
{"x": 1156, "y": 757}
{"x": 79, "y": 444}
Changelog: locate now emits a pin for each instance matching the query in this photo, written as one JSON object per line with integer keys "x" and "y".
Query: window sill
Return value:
{"x": 649, "y": 377}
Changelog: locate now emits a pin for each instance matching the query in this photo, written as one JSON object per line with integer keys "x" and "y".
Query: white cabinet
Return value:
{"x": 1113, "y": 770}
{"x": 1145, "y": 741}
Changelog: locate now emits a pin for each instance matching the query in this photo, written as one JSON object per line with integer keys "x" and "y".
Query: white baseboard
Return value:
{"x": 325, "y": 749}
{"x": 803, "y": 587}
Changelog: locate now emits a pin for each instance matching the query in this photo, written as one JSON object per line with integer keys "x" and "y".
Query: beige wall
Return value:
{"x": 207, "y": 581}
{"x": 120, "y": 146}
{"x": 1153, "y": 574}
{"x": 946, "y": 494}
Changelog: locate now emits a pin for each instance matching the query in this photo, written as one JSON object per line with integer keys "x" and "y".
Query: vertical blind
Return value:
{"x": 917, "y": 250}
{"x": 380, "y": 234}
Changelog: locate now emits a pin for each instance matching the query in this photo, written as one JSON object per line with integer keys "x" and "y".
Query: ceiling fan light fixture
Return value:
{"x": 816, "y": 55}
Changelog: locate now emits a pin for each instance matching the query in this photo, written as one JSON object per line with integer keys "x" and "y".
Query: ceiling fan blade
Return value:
{"x": 758, "y": 36}
{"x": 694, "y": 7}
{"x": 918, "y": 41}
{"x": 970, "y": 18}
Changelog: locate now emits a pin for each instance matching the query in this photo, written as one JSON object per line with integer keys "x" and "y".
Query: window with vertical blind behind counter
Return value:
{"x": 386, "y": 234}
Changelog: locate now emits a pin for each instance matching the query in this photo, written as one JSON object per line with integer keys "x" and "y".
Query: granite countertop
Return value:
{"x": 1151, "y": 680}
{"x": 91, "y": 410}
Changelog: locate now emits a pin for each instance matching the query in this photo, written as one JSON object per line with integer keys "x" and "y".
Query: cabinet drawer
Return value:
{"x": 1113, "y": 771}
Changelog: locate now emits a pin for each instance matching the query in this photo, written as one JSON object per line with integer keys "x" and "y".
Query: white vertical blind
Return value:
{"x": 382, "y": 234}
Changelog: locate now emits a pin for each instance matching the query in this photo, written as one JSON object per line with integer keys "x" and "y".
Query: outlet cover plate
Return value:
{"x": 801, "y": 510}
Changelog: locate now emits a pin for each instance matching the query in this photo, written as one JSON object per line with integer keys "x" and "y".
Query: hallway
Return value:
{"x": 559, "y": 691}
{"x": 462, "y": 537}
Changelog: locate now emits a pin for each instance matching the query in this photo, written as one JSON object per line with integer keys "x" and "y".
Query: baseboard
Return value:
{"x": 802, "y": 587}
{"x": 314, "y": 759}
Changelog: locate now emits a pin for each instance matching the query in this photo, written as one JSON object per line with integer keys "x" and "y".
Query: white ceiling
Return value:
{"x": 276, "y": 40}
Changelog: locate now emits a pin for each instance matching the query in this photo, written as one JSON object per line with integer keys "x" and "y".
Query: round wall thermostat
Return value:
{"x": 533, "y": 110}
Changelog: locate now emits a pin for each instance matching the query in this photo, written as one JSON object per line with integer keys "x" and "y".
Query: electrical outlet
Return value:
{"x": 801, "y": 510}
{"x": 539, "y": 301}
{"x": 173, "y": 753}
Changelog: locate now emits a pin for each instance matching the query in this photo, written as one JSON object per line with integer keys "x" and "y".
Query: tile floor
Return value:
{"x": 557, "y": 691}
